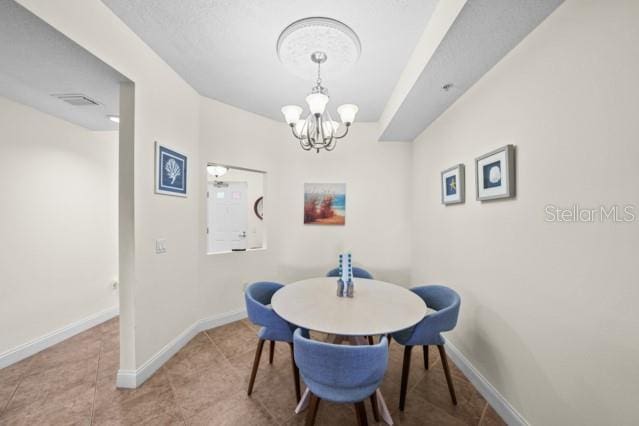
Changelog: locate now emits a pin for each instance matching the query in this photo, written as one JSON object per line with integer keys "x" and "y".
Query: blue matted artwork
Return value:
{"x": 451, "y": 185}
{"x": 170, "y": 171}
{"x": 492, "y": 174}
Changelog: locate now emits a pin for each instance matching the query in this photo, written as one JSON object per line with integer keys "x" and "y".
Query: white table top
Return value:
{"x": 377, "y": 307}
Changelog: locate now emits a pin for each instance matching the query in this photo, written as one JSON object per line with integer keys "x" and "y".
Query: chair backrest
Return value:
{"x": 257, "y": 296}
{"x": 341, "y": 366}
{"x": 444, "y": 300}
{"x": 357, "y": 273}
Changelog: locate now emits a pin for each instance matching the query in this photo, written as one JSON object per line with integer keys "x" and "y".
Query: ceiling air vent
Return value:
{"x": 76, "y": 99}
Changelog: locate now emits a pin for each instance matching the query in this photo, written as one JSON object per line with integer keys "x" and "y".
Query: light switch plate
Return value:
{"x": 160, "y": 246}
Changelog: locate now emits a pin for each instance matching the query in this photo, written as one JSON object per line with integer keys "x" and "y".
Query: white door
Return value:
{"x": 227, "y": 216}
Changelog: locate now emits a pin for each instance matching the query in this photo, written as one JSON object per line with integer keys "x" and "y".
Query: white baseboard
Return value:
{"x": 218, "y": 320}
{"x": 500, "y": 404}
{"x": 33, "y": 347}
{"x": 134, "y": 378}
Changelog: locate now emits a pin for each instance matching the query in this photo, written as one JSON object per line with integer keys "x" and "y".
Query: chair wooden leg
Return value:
{"x": 405, "y": 371}
{"x": 425, "y": 348}
{"x": 256, "y": 363}
{"x": 360, "y": 410}
{"x": 449, "y": 380}
{"x": 296, "y": 374}
{"x": 370, "y": 340}
{"x": 271, "y": 351}
{"x": 375, "y": 407}
{"x": 313, "y": 405}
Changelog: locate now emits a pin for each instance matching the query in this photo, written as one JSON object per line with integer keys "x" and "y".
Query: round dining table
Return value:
{"x": 376, "y": 308}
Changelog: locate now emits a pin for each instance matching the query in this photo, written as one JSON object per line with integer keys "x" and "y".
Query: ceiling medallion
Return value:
{"x": 318, "y": 42}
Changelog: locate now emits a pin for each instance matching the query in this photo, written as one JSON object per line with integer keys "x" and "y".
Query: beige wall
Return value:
{"x": 162, "y": 290}
{"x": 549, "y": 310}
{"x": 377, "y": 218}
{"x": 163, "y": 287}
{"x": 58, "y": 224}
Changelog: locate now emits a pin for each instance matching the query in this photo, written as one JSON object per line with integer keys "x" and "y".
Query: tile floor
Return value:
{"x": 205, "y": 383}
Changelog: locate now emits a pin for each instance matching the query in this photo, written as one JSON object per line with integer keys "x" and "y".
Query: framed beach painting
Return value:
{"x": 325, "y": 203}
{"x": 495, "y": 174}
{"x": 170, "y": 171}
{"x": 453, "y": 183}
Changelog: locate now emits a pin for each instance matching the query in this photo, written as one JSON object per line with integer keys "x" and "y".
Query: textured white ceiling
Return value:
{"x": 226, "y": 48}
{"x": 36, "y": 61}
{"x": 483, "y": 33}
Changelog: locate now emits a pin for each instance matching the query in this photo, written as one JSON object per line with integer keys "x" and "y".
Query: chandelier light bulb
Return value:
{"x": 317, "y": 103}
{"x": 347, "y": 113}
{"x": 291, "y": 113}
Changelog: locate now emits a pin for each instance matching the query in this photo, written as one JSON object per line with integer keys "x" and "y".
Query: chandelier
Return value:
{"x": 316, "y": 36}
{"x": 318, "y": 130}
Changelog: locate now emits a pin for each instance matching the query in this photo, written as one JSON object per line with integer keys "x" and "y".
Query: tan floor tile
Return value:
{"x": 70, "y": 405}
{"x": 282, "y": 364}
{"x": 420, "y": 412}
{"x": 234, "y": 339}
{"x": 10, "y": 377}
{"x": 109, "y": 364}
{"x": 206, "y": 383}
{"x": 434, "y": 389}
{"x": 197, "y": 355}
{"x": 205, "y": 390}
{"x": 238, "y": 409}
{"x": 45, "y": 384}
{"x": 278, "y": 396}
{"x": 153, "y": 399}
{"x": 329, "y": 414}
{"x": 252, "y": 326}
{"x": 110, "y": 340}
{"x": 82, "y": 347}
{"x": 491, "y": 418}
{"x": 163, "y": 420}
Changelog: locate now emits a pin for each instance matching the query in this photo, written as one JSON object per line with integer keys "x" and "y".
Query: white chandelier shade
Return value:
{"x": 347, "y": 113}
{"x": 291, "y": 113}
{"x": 317, "y": 103}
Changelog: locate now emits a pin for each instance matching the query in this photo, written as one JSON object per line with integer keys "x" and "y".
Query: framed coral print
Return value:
{"x": 495, "y": 174}
{"x": 170, "y": 171}
{"x": 453, "y": 185}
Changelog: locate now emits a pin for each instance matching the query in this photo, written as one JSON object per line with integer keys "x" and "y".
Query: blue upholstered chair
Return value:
{"x": 428, "y": 332}
{"x": 341, "y": 373}
{"x": 274, "y": 329}
{"x": 357, "y": 273}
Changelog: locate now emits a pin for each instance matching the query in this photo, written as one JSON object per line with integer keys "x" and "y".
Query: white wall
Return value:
{"x": 58, "y": 223}
{"x": 377, "y": 216}
{"x": 549, "y": 310}
{"x": 163, "y": 287}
